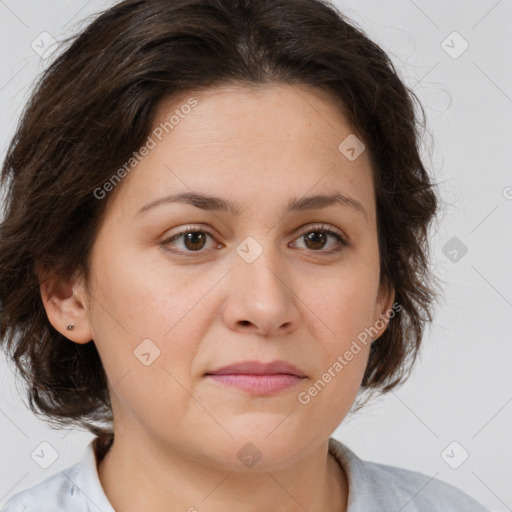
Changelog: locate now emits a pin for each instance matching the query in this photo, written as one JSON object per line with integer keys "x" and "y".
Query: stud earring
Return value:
{"x": 70, "y": 327}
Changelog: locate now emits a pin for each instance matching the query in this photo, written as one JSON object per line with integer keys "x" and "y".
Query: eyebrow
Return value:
{"x": 218, "y": 204}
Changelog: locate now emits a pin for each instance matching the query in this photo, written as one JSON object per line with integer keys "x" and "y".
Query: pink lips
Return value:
{"x": 258, "y": 378}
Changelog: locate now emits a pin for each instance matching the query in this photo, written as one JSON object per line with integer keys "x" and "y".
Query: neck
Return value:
{"x": 146, "y": 479}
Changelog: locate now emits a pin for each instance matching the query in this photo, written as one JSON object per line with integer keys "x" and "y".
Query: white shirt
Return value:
{"x": 373, "y": 487}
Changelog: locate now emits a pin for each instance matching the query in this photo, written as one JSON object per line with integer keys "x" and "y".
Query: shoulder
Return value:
{"x": 75, "y": 489}
{"x": 425, "y": 493}
{"x": 57, "y": 493}
{"x": 391, "y": 488}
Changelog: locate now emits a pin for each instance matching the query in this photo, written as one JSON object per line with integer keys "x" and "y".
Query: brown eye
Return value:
{"x": 193, "y": 240}
{"x": 317, "y": 237}
{"x": 316, "y": 240}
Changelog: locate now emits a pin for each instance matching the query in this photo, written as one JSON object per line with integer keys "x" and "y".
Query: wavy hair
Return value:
{"x": 94, "y": 106}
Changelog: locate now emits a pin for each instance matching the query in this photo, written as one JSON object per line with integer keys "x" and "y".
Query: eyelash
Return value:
{"x": 323, "y": 228}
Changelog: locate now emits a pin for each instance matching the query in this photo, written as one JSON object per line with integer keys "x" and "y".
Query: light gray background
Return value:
{"x": 461, "y": 388}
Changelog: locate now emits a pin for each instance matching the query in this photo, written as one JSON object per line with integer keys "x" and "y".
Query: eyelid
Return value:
{"x": 328, "y": 228}
{"x": 320, "y": 226}
{"x": 298, "y": 232}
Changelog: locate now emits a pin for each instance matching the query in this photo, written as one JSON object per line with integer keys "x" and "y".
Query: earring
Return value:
{"x": 70, "y": 327}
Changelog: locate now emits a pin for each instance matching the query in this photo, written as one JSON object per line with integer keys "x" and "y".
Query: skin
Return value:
{"x": 177, "y": 433}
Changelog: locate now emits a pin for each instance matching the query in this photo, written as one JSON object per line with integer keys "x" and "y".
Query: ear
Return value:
{"x": 64, "y": 302}
{"x": 383, "y": 310}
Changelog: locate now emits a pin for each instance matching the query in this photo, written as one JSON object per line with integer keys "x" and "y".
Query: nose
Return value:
{"x": 261, "y": 293}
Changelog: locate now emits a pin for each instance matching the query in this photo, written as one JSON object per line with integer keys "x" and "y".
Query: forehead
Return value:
{"x": 245, "y": 144}
{"x": 273, "y": 113}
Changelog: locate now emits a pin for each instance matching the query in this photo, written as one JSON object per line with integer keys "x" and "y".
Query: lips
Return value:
{"x": 258, "y": 368}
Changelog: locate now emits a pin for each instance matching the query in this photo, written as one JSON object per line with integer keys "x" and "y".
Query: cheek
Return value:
{"x": 342, "y": 311}
{"x": 142, "y": 293}
{"x": 147, "y": 332}
{"x": 343, "y": 344}
{"x": 144, "y": 312}
{"x": 343, "y": 303}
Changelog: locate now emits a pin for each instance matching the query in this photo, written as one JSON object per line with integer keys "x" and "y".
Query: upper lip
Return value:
{"x": 259, "y": 368}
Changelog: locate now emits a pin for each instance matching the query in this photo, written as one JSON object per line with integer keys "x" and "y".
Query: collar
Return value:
{"x": 363, "y": 490}
{"x": 361, "y": 487}
{"x": 88, "y": 480}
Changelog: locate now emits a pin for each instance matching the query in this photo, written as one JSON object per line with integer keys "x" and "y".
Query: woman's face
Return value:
{"x": 259, "y": 282}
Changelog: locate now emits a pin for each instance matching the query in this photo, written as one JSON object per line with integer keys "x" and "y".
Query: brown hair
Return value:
{"x": 94, "y": 106}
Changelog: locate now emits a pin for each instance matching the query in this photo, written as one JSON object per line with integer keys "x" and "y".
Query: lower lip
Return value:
{"x": 258, "y": 384}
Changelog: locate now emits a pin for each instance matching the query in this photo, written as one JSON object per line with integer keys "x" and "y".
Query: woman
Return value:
{"x": 215, "y": 243}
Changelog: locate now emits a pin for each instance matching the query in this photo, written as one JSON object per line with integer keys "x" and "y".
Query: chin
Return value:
{"x": 258, "y": 453}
